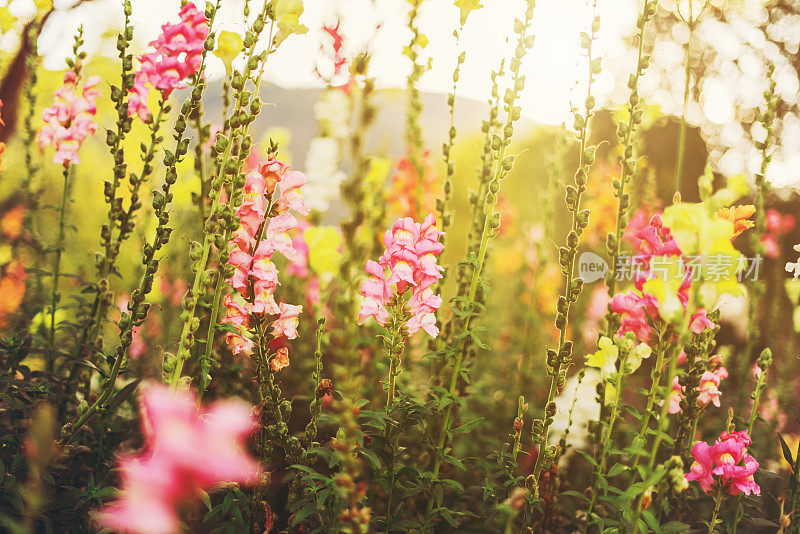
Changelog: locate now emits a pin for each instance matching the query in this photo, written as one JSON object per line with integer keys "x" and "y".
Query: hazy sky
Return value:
{"x": 551, "y": 70}
{"x": 729, "y": 94}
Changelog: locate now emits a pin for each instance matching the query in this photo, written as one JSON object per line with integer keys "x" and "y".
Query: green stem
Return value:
{"x": 137, "y": 307}
{"x": 604, "y": 449}
{"x": 627, "y": 165}
{"x": 499, "y": 172}
{"x": 100, "y": 305}
{"x": 55, "y": 295}
{"x": 714, "y": 517}
{"x": 663, "y": 420}
{"x": 413, "y": 130}
{"x": 686, "y": 86}
{"x": 641, "y": 437}
{"x": 760, "y": 383}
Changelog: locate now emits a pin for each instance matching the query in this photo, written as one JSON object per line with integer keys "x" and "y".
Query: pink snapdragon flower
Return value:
{"x": 709, "y": 386}
{"x": 637, "y": 308}
{"x": 728, "y": 461}
{"x": 776, "y": 226}
{"x": 708, "y": 390}
{"x": 70, "y": 120}
{"x": 634, "y": 310}
{"x": 252, "y": 249}
{"x": 409, "y": 261}
{"x": 701, "y": 471}
{"x": 177, "y": 56}
{"x": 286, "y": 323}
{"x": 185, "y": 450}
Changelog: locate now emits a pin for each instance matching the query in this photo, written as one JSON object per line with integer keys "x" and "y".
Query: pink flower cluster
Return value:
{"x": 185, "y": 450}
{"x": 776, "y": 226}
{"x": 177, "y": 56}
{"x": 253, "y": 246}
{"x": 70, "y": 120}
{"x": 635, "y": 307}
{"x": 727, "y": 458}
{"x": 410, "y": 261}
{"x": 708, "y": 388}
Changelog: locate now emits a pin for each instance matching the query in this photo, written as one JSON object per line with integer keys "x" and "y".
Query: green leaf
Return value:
{"x": 123, "y": 395}
{"x": 588, "y": 457}
{"x": 372, "y": 459}
{"x": 787, "y": 452}
{"x": 304, "y": 512}
{"x": 447, "y": 516}
{"x": 616, "y": 470}
{"x": 468, "y": 427}
{"x": 205, "y": 498}
{"x": 576, "y": 494}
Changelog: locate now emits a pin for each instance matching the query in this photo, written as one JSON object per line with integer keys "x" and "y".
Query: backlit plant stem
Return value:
{"x": 627, "y": 134}
{"x": 33, "y": 63}
{"x": 75, "y": 64}
{"x": 691, "y": 23}
{"x": 126, "y": 226}
{"x": 764, "y": 361}
{"x": 443, "y": 204}
{"x": 137, "y": 307}
{"x": 353, "y": 191}
{"x": 413, "y": 131}
{"x": 628, "y": 139}
{"x": 221, "y": 282}
{"x": 55, "y": 296}
{"x": 190, "y": 321}
{"x": 663, "y": 420}
{"x": 115, "y": 142}
{"x": 563, "y": 442}
{"x": 601, "y": 465}
{"x": 580, "y": 219}
{"x": 762, "y": 189}
{"x": 641, "y": 437}
{"x": 491, "y": 222}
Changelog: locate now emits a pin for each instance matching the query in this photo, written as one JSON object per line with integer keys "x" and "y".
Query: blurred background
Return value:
{"x": 729, "y": 46}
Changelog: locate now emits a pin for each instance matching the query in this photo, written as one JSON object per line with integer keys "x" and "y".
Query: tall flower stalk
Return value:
{"x": 760, "y": 371}
{"x": 503, "y": 164}
{"x": 604, "y": 444}
{"x": 413, "y": 133}
{"x": 561, "y": 356}
{"x": 226, "y": 222}
{"x": 443, "y": 204}
{"x": 684, "y": 338}
{"x": 67, "y": 123}
{"x": 115, "y": 141}
{"x": 766, "y": 118}
{"x": 246, "y": 108}
{"x": 138, "y": 307}
{"x": 691, "y": 23}
{"x": 627, "y": 134}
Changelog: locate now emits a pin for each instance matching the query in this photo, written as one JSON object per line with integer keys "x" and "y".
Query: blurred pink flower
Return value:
{"x": 185, "y": 450}
{"x": 776, "y": 226}
{"x": 70, "y": 120}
